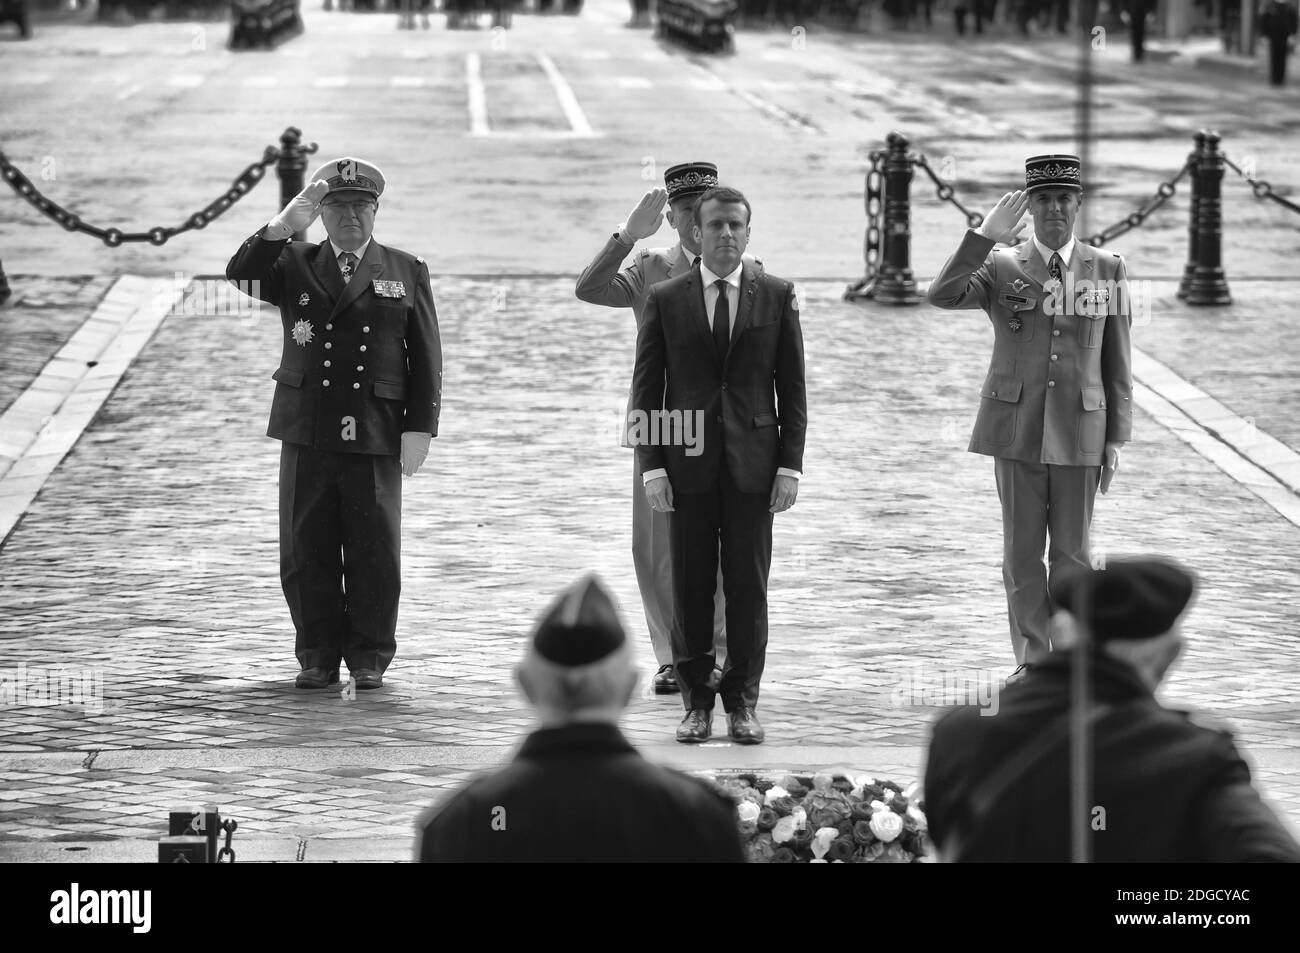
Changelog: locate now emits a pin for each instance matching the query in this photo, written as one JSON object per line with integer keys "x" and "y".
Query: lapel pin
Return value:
{"x": 304, "y": 299}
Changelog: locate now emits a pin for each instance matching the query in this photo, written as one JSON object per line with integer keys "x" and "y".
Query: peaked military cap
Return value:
{"x": 690, "y": 179}
{"x": 581, "y": 626}
{"x": 350, "y": 174}
{"x": 1053, "y": 172}
{"x": 1129, "y": 599}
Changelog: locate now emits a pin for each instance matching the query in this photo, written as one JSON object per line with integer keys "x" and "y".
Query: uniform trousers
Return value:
{"x": 340, "y": 554}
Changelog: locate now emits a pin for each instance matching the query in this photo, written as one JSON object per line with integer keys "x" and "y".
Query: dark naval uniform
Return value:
{"x": 361, "y": 364}
{"x": 1173, "y": 791}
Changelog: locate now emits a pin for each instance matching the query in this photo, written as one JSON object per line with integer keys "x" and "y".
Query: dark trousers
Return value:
{"x": 1037, "y": 500}
{"x": 340, "y": 554}
{"x": 1277, "y": 60}
{"x": 742, "y": 524}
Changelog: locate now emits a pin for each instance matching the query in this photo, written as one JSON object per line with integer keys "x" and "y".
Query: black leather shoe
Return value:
{"x": 367, "y": 678}
{"x": 316, "y": 677}
{"x": 666, "y": 682}
{"x": 743, "y": 726}
{"x": 696, "y": 726}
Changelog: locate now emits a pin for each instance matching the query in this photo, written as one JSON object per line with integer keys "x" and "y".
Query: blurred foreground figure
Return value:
{"x": 577, "y": 791}
{"x": 1165, "y": 788}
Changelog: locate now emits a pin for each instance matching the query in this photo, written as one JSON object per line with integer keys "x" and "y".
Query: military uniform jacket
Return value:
{"x": 737, "y": 399}
{"x": 1173, "y": 791}
{"x": 361, "y": 365}
{"x": 581, "y": 793}
{"x": 1060, "y": 383}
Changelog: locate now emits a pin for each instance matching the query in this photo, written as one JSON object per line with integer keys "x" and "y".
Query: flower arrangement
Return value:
{"x": 827, "y": 818}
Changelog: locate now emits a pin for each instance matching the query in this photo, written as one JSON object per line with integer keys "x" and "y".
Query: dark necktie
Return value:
{"x": 1055, "y": 267}
{"x": 347, "y": 262}
{"x": 720, "y": 320}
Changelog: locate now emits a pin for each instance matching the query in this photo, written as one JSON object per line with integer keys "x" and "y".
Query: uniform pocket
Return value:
{"x": 1091, "y": 329}
{"x": 996, "y": 423}
{"x": 764, "y": 420}
{"x": 284, "y": 375}
{"x": 1092, "y": 422}
{"x": 390, "y": 390}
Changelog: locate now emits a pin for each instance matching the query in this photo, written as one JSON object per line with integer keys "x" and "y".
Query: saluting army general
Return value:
{"x": 602, "y": 282}
{"x": 1056, "y": 405}
{"x": 356, "y": 403}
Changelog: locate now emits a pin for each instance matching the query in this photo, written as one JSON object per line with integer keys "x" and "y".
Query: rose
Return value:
{"x": 767, "y": 819}
{"x": 886, "y": 825}
{"x": 822, "y": 782}
{"x": 803, "y": 838}
{"x": 747, "y": 812}
{"x": 915, "y": 814}
{"x": 800, "y": 818}
{"x": 782, "y": 805}
{"x": 872, "y": 854}
{"x": 821, "y": 841}
{"x": 862, "y": 833}
{"x": 862, "y": 811}
{"x": 783, "y": 830}
{"x": 783, "y": 855}
{"x": 896, "y": 855}
{"x": 759, "y": 849}
{"x": 747, "y": 829}
{"x": 773, "y": 793}
{"x": 841, "y": 849}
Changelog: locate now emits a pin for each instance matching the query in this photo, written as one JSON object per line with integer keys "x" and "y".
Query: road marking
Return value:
{"x": 1258, "y": 461}
{"x": 478, "y": 123}
{"x": 564, "y": 93}
{"x": 47, "y": 419}
{"x": 632, "y": 82}
{"x": 128, "y": 92}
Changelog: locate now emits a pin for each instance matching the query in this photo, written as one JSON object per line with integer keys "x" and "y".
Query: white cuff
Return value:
{"x": 277, "y": 230}
{"x": 653, "y": 475}
{"x": 786, "y": 471}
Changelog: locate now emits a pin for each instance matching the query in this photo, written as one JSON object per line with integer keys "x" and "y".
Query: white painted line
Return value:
{"x": 47, "y": 419}
{"x": 407, "y": 81}
{"x": 185, "y": 80}
{"x": 128, "y": 92}
{"x": 564, "y": 93}
{"x": 478, "y": 121}
{"x": 1261, "y": 463}
{"x": 632, "y": 82}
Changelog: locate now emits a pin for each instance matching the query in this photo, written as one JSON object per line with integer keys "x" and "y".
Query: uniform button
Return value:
{"x": 366, "y": 329}
{"x": 326, "y": 383}
{"x": 360, "y": 368}
{"x": 363, "y": 347}
{"x": 327, "y": 363}
{"x": 356, "y": 387}
{"x": 1051, "y": 383}
{"x": 1054, "y": 357}
{"x": 1056, "y": 332}
{"x": 328, "y": 345}
{"x": 329, "y": 327}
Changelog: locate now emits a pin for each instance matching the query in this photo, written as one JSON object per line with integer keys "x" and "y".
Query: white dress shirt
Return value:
{"x": 1065, "y": 251}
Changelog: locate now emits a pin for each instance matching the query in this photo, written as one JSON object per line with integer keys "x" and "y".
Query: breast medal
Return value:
{"x": 389, "y": 289}
{"x": 1015, "y": 324}
{"x": 302, "y": 333}
{"x": 304, "y": 299}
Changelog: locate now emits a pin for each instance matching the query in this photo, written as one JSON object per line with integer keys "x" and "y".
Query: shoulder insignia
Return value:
{"x": 419, "y": 260}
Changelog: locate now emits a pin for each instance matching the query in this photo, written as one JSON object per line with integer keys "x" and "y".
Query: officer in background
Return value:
{"x": 603, "y": 283}
{"x": 1165, "y": 789}
{"x": 1278, "y": 21}
{"x": 357, "y": 398}
{"x": 1056, "y": 405}
{"x": 577, "y": 791}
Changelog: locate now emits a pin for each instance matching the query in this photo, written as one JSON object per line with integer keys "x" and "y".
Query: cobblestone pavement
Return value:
{"x": 149, "y": 561}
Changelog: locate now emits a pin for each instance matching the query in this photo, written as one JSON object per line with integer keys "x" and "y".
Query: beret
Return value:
{"x": 1128, "y": 599}
{"x": 580, "y": 627}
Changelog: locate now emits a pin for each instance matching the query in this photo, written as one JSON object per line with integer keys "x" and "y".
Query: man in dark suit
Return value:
{"x": 577, "y": 791}
{"x": 716, "y": 455}
{"x": 1164, "y": 788}
{"x": 1056, "y": 407}
{"x": 356, "y": 403}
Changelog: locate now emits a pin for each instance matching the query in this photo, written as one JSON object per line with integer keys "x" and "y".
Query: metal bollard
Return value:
{"x": 5, "y": 290}
{"x": 1203, "y": 279}
{"x": 1194, "y": 161}
{"x": 895, "y": 283}
{"x": 291, "y": 168}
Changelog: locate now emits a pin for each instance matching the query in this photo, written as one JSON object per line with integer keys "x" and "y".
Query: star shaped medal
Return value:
{"x": 302, "y": 333}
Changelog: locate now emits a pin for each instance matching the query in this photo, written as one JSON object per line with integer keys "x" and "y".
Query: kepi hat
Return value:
{"x": 689, "y": 179}
{"x": 1129, "y": 599}
{"x": 1053, "y": 172}
{"x": 350, "y": 174}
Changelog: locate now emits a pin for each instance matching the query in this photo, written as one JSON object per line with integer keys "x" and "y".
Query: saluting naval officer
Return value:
{"x": 602, "y": 282}
{"x": 1056, "y": 405}
{"x": 357, "y": 398}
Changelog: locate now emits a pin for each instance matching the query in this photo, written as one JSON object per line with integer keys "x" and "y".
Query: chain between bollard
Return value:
{"x": 1260, "y": 187}
{"x": 1164, "y": 192}
{"x": 875, "y": 208}
{"x": 946, "y": 193}
{"x": 227, "y": 854}
{"x": 113, "y": 237}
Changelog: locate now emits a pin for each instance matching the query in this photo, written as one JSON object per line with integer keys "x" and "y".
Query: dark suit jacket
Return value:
{"x": 1060, "y": 385}
{"x": 381, "y": 354}
{"x": 738, "y": 401}
{"x": 1172, "y": 790}
{"x": 581, "y": 794}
